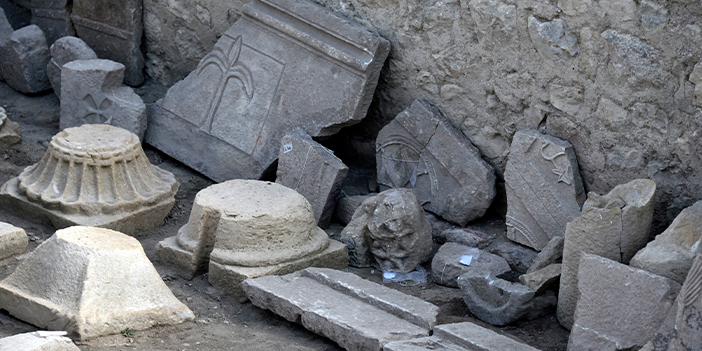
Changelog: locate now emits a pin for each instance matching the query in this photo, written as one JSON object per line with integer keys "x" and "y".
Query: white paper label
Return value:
{"x": 287, "y": 148}
{"x": 466, "y": 259}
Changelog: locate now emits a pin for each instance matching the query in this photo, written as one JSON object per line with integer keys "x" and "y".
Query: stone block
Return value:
{"x": 550, "y": 254}
{"x": 519, "y": 257}
{"x": 63, "y": 51}
{"x": 542, "y": 279}
{"x": 449, "y": 263}
{"x": 23, "y": 59}
{"x": 284, "y": 64}
{"x": 421, "y": 150}
{"x": 464, "y": 236}
{"x": 13, "y": 240}
{"x": 620, "y": 308}
{"x": 113, "y": 28}
{"x": 93, "y": 175}
{"x": 544, "y": 188}
{"x": 688, "y": 320}
{"x": 35, "y": 341}
{"x": 671, "y": 253}
{"x": 464, "y": 336}
{"x": 53, "y": 17}
{"x": 6, "y": 31}
{"x": 355, "y": 313}
{"x": 613, "y": 226}
{"x": 313, "y": 171}
{"x": 9, "y": 131}
{"x": 76, "y": 281}
{"x": 347, "y": 205}
{"x": 92, "y": 93}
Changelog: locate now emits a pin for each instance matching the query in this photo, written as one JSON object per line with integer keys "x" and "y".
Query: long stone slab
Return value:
{"x": 355, "y": 313}
{"x": 283, "y": 64}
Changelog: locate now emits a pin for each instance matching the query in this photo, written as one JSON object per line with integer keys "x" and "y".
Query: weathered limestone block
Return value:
{"x": 313, "y": 171}
{"x": 542, "y": 279}
{"x": 93, "y": 175}
{"x": 355, "y": 313}
{"x": 34, "y": 341}
{"x": 421, "y": 150}
{"x": 672, "y": 252}
{"x": 9, "y": 131}
{"x": 283, "y": 64}
{"x": 620, "y": 308}
{"x": 53, "y": 17}
{"x": 113, "y": 28}
{"x": 23, "y": 58}
{"x": 613, "y": 226}
{"x": 76, "y": 282}
{"x": 13, "y": 240}
{"x": 450, "y": 262}
{"x": 550, "y": 254}
{"x": 552, "y": 39}
{"x": 464, "y": 336}
{"x": 464, "y": 236}
{"x": 347, "y": 205}
{"x": 63, "y": 51}
{"x": 544, "y": 188}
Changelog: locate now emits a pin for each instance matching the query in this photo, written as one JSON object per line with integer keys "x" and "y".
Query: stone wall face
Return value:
{"x": 612, "y": 77}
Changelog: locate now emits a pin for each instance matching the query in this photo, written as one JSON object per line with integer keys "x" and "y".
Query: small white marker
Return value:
{"x": 287, "y": 148}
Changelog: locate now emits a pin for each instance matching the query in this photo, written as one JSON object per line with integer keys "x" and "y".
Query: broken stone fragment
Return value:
{"x": 552, "y": 39}
{"x": 13, "y": 240}
{"x": 75, "y": 281}
{"x": 464, "y": 236}
{"x": 550, "y": 254}
{"x": 464, "y": 336}
{"x": 519, "y": 257}
{"x": 23, "y": 59}
{"x": 347, "y": 205}
{"x": 63, "y": 51}
{"x": 6, "y": 31}
{"x": 92, "y": 93}
{"x": 633, "y": 58}
{"x": 696, "y": 79}
{"x": 9, "y": 131}
{"x": 37, "y": 341}
{"x": 688, "y": 320}
{"x": 452, "y": 260}
{"x": 542, "y": 279}
{"x": 53, "y": 17}
{"x": 421, "y": 150}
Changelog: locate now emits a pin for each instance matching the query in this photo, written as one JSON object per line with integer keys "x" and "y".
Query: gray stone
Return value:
{"x": 464, "y": 236}
{"x": 653, "y": 16}
{"x": 347, "y": 205}
{"x": 552, "y": 39}
{"x": 313, "y": 171}
{"x": 321, "y": 81}
{"x": 544, "y": 188}
{"x": 448, "y": 263}
{"x": 688, "y": 320}
{"x": 5, "y": 34}
{"x": 634, "y": 58}
{"x": 499, "y": 302}
{"x": 421, "y": 150}
{"x": 23, "y": 59}
{"x": 464, "y": 336}
{"x": 63, "y": 51}
{"x": 696, "y": 79}
{"x": 551, "y": 253}
{"x": 13, "y": 240}
{"x": 9, "y": 131}
{"x": 35, "y": 341}
{"x": 92, "y": 93}
{"x": 620, "y": 308}
{"x": 53, "y": 17}
{"x": 113, "y": 28}
{"x": 542, "y": 279}
{"x": 519, "y": 257}
{"x": 613, "y": 226}
{"x": 355, "y": 313}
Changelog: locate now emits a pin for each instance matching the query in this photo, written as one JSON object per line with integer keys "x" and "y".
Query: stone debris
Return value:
{"x": 313, "y": 171}
{"x": 519, "y": 257}
{"x": 93, "y": 175}
{"x": 613, "y": 226}
{"x": 464, "y": 336}
{"x": 544, "y": 188}
{"x": 52, "y": 16}
{"x": 672, "y": 252}
{"x": 13, "y": 240}
{"x": 347, "y": 205}
{"x": 355, "y": 313}
{"x": 393, "y": 229}
{"x": 92, "y": 93}
{"x": 464, "y": 236}
{"x": 6, "y": 31}
{"x": 37, "y": 341}
{"x": 620, "y": 308}
{"x": 553, "y": 40}
{"x": 248, "y": 229}
{"x": 421, "y": 150}
{"x": 550, "y": 254}
{"x": 695, "y": 78}
{"x": 63, "y": 51}
{"x": 9, "y": 131}
{"x": 113, "y": 28}
{"x": 23, "y": 59}
{"x": 453, "y": 260}
{"x": 542, "y": 279}
{"x": 75, "y": 281}
{"x": 274, "y": 67}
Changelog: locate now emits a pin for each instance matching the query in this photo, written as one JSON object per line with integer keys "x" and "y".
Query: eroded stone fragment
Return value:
{"x": 283, "y": 64}
{"x": 53, "y": 17}
{"x": 93, "y": 175}
{"x": 544, "y": 188}
{"x": 355, "y": 313}
{"x": 550, "y": 254}
{"x": 92, "y": 93}
{"x": 542, "y": 279}
{"x": 34, "y": 341}
{"x": 421, "y": 150}
{"x": 9, "y": 131}
{"x": 519, "y": 257}
{"x": 634, "y": 58}
{"x": 452, "y": 260}
{"x": 552, "y": 39}
{"x": 464, "y": 336}
{"x": 313, "y": 171}
{"x": 6, "y": 31}
{"x": 23, "y": 59}
{"x": 695, "y": 78}
{"x": 464, "y": 236}
{"x": 347, "y": 205}
{"x": 63, "y": 51}
{"x": 113, "y": 28}
{"x": 620, "y": 308}
{"x": 76, "y": 282}
{"x": 688, "y": 321}
{"x": 13, "y": 240}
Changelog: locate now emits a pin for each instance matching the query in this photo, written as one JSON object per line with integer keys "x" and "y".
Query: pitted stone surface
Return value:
{"x": 23, "y": 58}
{"x": 446, "y": 265}
{"x": 63, "y": 51}
{"x": 75, "y": 281}
{"x": 355, "y": 313}
{"x": 35, "y": 342}
{"x": 284, "y": 64}
{"x": 9, "y": 131}
{"x": 13, "y": 240}
{"x": 95, "y": 175}
{"x": 421, "y": 150}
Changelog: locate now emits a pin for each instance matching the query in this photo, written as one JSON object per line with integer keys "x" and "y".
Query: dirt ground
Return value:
{"x": 222, "y": 323}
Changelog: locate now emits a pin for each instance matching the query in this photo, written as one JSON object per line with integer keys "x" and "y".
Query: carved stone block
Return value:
{"x": 688, "y": 321}
{"x": 421, "y": 150}
{"x": 23, "y": 59}
{"x": 63, "y": 51}
{"x": 113, "y": 28}
{"x": 283, "y": 64}
{"x": 544, "y": 188}
{"x": 53, "y": 17}
{"x": 9, "y": 131}
{"x": 93, "y": 175}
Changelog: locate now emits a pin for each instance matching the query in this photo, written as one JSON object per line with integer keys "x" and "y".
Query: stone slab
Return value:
{"x": 446, "y": 265}
{"x": 53, "y": 17}
{"x": 63, "y": 51}
{"x": 35, "y": 342}
{"x": 313, "y": 171}
{"x": 283, "y": 64}
{"x": 421, "y": 150}
{"x": 23, "y": 58}
{"x": 13, "y": 240}
{"x": 355, "y": 313}
{"x": 544, "y": 188}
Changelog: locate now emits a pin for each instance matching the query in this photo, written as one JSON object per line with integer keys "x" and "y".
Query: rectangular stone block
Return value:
{"x": 458, "y": 337}
{"x": 13, "y": 240}
{"x": 283, "y": 64}
{"x": 53, "y": 17}
{"x": 23, "y": 59}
